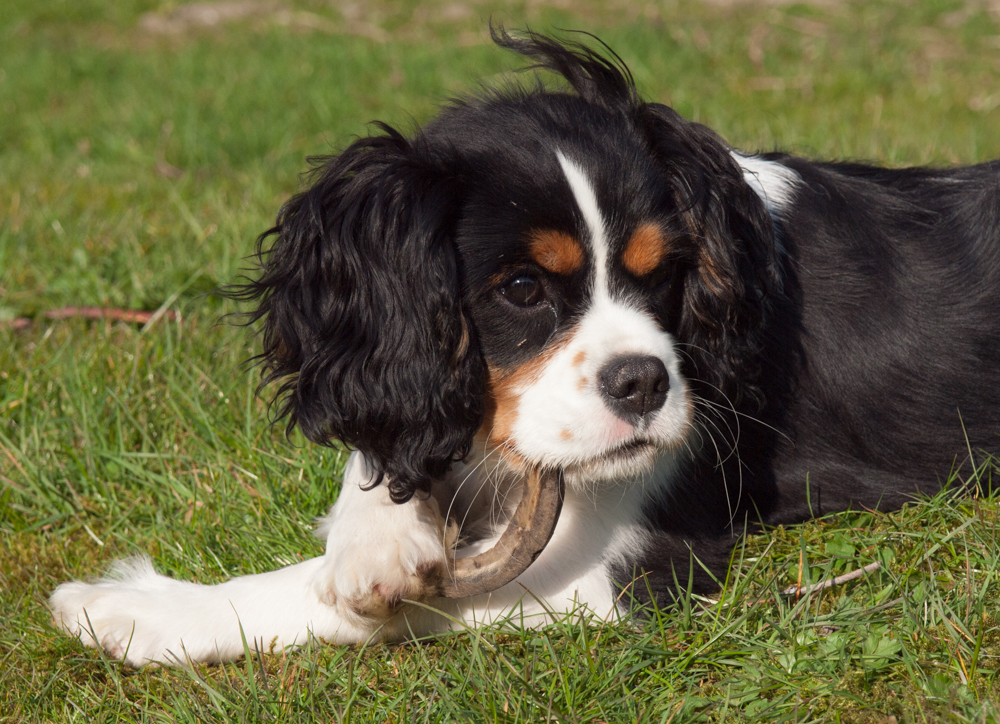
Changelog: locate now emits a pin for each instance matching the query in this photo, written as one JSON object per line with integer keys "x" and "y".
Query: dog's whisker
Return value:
{"x": 455, "y": 494}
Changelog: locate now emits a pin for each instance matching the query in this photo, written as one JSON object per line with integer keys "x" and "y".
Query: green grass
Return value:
{"x": 136, "y": 170}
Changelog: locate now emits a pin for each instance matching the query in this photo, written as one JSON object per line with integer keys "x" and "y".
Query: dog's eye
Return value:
{"x": 660, "y": 277}
{"x": 524, "y": 291}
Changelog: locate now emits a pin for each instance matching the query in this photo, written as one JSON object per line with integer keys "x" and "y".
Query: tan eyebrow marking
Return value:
{"x": 556, "y": 251}
{"x": 645, "y": 250}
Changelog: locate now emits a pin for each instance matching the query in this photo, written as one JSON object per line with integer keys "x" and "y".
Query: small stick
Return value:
{"x": 119, "y": 315}
{"x": 831, "y": 582}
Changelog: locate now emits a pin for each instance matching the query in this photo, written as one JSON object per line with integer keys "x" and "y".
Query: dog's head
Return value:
{"x": 565, "y": 275}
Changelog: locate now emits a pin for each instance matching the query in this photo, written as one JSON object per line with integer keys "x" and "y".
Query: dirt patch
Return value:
{"x": 200, "y": 16}
{"x": 204, "y": 15}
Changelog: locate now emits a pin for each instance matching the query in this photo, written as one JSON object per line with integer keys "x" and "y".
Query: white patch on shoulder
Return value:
{"x": 774, "y": 182}
{"x": 586, "y": 201}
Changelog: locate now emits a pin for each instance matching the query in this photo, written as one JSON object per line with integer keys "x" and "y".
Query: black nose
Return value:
{"x": 634, "y": 386}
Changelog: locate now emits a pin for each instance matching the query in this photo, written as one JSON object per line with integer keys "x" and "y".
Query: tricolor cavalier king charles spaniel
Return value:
{"x": 702, "y": 341}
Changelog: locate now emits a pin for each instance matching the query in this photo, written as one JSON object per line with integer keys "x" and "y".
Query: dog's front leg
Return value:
{"x": 380, "y": 553}
{"x": 137, "y": 615}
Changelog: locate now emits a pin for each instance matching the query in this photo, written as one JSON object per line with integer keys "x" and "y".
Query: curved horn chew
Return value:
{"x": 527, "y": 534}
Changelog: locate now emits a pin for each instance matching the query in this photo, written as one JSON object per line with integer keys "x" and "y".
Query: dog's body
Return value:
{"x": 701, "y": 340}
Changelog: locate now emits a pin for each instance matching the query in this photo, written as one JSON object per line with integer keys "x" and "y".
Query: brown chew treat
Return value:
{"x": 527, "y": 534}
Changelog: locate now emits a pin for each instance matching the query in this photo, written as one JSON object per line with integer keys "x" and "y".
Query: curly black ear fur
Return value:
{"x": 363, "y": 323}
{"x": 731, "y": 279}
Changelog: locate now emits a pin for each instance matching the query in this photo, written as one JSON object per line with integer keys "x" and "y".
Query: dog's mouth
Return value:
{"x": 625, "y": 459}
{"x": 626, "y": 452}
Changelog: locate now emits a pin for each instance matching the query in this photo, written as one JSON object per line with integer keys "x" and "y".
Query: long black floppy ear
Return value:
{"x": 363, "y": 323}
{"x": 732, "y": 276}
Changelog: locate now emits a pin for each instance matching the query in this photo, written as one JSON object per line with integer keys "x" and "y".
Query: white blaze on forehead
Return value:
{"x": 586, "y": 201}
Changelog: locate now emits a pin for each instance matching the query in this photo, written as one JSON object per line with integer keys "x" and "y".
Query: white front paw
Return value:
{"x": 390, "y": 554}
{"x": 111, "y": 613}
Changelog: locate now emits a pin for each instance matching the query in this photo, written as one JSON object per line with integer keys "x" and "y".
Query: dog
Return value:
{"x": 702, "y": 341}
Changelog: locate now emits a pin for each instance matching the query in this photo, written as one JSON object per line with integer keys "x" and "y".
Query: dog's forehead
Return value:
{"x": 625, "y": 231}
{"x": 566, "y": 197}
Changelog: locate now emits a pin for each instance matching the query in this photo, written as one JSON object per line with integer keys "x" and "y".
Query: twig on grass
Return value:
{"x": 135, "y": 316}
{"x": 799, "y": 590}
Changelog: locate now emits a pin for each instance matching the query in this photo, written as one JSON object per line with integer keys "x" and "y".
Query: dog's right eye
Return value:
{"x": 524, "y": 291}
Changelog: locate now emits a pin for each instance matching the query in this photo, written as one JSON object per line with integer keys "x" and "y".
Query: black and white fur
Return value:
{"x": 703, "y": 340}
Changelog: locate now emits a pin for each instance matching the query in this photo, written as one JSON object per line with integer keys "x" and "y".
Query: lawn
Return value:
{"x": 143, "y": 148}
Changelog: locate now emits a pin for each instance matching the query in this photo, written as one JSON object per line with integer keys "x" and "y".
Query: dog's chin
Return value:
{"x": 628, "y": 461}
